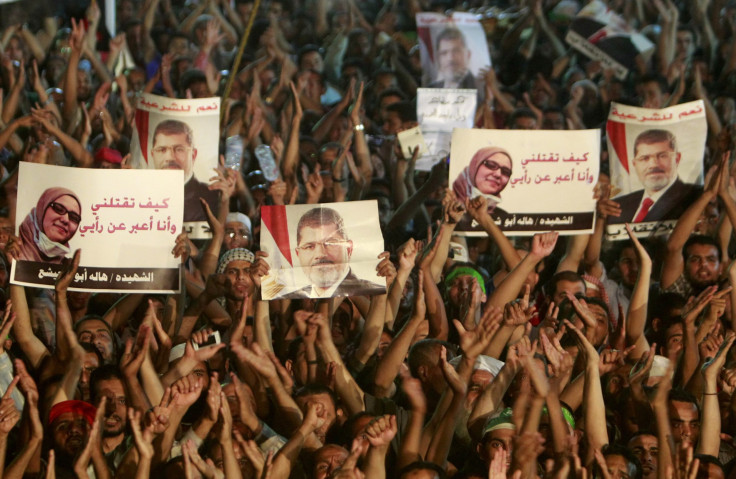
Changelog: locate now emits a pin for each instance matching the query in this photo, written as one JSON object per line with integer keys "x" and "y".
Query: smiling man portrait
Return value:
{"x": 173, "y": 149}
{"x": 324, "y": 250}
{"x": 665, "y": 196}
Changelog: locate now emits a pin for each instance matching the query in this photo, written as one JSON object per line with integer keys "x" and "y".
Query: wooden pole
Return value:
{"x": 238, "y": 56}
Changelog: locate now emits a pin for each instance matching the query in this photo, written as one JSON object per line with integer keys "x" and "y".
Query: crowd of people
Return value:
{"x": 487, "y": 357}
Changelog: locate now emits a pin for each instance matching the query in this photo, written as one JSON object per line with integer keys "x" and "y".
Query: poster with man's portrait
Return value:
{"x": 453, "y": 50}
{"x": 532, "y": 180}
{"x": 181, "y": 134}
{"x": 656, "y": 165}
{"x": 124, "y": 221}
{"x": 321, "y": 250}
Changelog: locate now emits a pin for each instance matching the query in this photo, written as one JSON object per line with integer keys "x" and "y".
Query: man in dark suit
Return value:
{"x": 664, "y": 196}
{"x": 324, "y": 252}
{"x": 173, "y": 149}
{"x": 453, "y": 57}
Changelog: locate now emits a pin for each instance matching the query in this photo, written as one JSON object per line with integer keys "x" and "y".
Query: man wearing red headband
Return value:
{"x": 70, "y": 423}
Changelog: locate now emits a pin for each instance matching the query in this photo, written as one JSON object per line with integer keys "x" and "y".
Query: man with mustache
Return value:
{"x": 107, "y": 381}
{"x": 324, "y": 251}
{"x": 453, "y": 61}
{"x": 664, "y": 196}
{"x": 173, "y": 149}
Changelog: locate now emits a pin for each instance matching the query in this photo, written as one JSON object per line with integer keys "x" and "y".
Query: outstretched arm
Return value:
{"x": 508, "y": 290}
{"x": 710, "y": 435}
{"x": 291, "y": 155}
{"x": 674, "y": 262}
{"x": 637, "y": 315}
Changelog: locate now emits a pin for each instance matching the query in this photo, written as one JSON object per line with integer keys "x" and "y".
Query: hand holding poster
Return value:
{"x": 176, "y": 134}
{"x": 453, "y": 50}
{"x": 124, "y": 221}
{"x": 439, "y": 111}
{"x": 656, "y": 163}
{"x": 321, "y": 251}
{"x": 533, "y": 181}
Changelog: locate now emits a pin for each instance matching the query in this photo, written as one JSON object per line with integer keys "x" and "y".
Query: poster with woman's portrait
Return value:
{"x": 532, "y": 180}
{"x": 181, "y": 134}
{"x": 124, "y": 221}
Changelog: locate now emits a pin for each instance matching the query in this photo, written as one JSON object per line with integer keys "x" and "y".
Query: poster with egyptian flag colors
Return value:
{"x": 180, "y": 134}
{"x": 125, "y": 222}
{"x": 532, "y": 180}
{"x": 322, "y": 250}
{"x": 656, "y": 165}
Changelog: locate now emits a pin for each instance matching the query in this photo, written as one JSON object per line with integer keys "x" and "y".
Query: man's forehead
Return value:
{"x": 323, "y": 230}
{"x": 93, "y": 325}
{"x": 683, "y": 408}
{"x": 451, "y": 43}
{"x": 109, "y": 384}
{"x": 235, "y": 225}
{"x": 69, "y": 416}
{"x": 238, "y": 264}
{"x": 329, "y": 451}
{"x": 161, "y": 137}
{"x": 646, "y": 440}
{"x": 654, "y": 145}
{"x": 698, "y": 249}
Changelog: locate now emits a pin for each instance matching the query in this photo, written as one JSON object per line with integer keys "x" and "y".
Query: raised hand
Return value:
{"x": 712, "y": 368}
{"x": 192, "y": 459}
{"x": 456, "y": 383}
{"x": 386, "y": 268}
{"x": 259, "y": 268}
{"x": 477, "y": 208}
{"x": 407, "y": 255}
{"x": 585, "y": 346}
{"x": 93, "y": 440}
{"x": 452, "y": 209}
{"x": 143, "y": 437}
{"x": 431, "y": 250}
{"x": 134, "y": 354}
{"x": 355, "y": 108}
{"x": 543, "y": 244}
{"x": 381, "y": 430}
{"x": 7, "y": 324}
{"x": 158, "y": 417}
{"x": 474, "y": 342}
{"x": 412, "y": 388}
{"x": 66, "y": 275}
{"x": 314, "y": 184}
{"x": 640, "y": 372}
{"x": 258, "y": 360}
{"x": 185, "y": 392}
{"x": 9, "y": 415}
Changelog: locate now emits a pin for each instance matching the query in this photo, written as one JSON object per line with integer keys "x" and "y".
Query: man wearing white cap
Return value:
{"x": 238, "y": 232}
{"x": 234, "y": 281}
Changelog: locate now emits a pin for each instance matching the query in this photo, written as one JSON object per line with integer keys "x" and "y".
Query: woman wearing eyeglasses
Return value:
{"x": 46, "y": 231}
{"x": 487, "y": 175}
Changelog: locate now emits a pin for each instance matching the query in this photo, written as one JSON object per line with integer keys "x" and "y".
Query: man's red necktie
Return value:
{"x": 644, "y": 210}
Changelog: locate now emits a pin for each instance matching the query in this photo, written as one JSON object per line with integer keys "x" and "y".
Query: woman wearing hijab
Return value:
{"x": 487, "y": 175}
{"x": 46, "y": 231}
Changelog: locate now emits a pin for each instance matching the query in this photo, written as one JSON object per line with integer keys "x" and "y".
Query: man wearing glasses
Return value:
{"x": 237, "y": 232}
{"x": 324, "y": 251}
{"x": 664, "y": 196}
{"x": 173, "y": 149}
